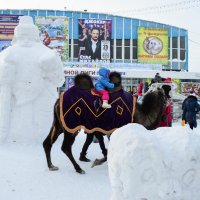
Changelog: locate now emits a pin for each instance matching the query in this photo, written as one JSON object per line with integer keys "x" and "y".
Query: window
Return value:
{"x": 134, "y": 52}
{"x": 134, "y": 49}
{"x": 118, "y": 49}
{"x": 75, "y": 51}
{"x": 182, "y": 54}
{"x": 127, "y": 43}
{"x": 182, "y": 48}
{"x": 182, "y": 42}
{"x": 168, "y": 42}
{"x": 75, "y": 48}
{"x": 127, "y": 49}
{"x": 119, "y": 52}
{"x": 111, "y": 49}
{"x": 135, "y": 42}
{"x": 118, "y": 42}
{"x": 127, "y": 53}
{"x": 69, "y": 51}
{"x": 174, "y": 42}
{"x": 174, "y": 54}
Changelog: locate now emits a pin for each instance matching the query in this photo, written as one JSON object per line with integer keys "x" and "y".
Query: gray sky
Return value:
{"x": 180, "y": 13}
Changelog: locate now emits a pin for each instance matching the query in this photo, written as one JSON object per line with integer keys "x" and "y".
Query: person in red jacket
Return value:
{"x": 166, "y": 119}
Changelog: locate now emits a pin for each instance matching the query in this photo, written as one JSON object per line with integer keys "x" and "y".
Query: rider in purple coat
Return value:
{"x": 102, "y": 84}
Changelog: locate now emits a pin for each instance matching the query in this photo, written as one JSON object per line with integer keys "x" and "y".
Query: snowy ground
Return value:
{"x": 24, "y": 174}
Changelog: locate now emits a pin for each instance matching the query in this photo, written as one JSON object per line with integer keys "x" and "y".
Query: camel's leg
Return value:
{"x": 67, "y": 149}
{"x": 86, "y": 145}
{"x": 47, "y": 144}
{"x": 101, "y": 143}
{"x": 103, "y": 148}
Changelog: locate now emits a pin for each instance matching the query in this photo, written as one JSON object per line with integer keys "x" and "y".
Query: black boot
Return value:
{"x": 83, "y": 158}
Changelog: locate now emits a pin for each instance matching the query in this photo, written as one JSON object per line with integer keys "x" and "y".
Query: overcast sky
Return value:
{"x": 180, "y": 13}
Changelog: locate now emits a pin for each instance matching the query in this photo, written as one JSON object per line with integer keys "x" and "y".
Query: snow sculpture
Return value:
{"x": 30, "y": 72}
{"x": 163, "y": 164}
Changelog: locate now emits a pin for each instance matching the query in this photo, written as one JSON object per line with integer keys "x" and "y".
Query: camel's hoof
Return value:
{"x": 80, "y": 171}
{"x": 53, "y": 168}
{"x": 99, "y": 162}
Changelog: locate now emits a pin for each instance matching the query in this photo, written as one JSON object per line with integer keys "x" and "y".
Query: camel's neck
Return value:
{"x": 148, "y": 120}
{"x": 116, "y": 89}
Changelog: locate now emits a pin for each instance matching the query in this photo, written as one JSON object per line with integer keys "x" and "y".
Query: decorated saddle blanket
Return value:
{"x": 83, "y": 109}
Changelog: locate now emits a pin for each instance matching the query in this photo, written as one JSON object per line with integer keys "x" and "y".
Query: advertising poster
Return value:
{"x": 54, "y": 33}
{"x": 7, "y": 26}
{"x": 94, "y": 40}
{"x": 153, "y": 45}
{"x": 187, "y": 87}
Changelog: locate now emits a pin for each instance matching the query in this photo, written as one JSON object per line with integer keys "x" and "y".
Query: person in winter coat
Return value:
{"x": 190, "y": 108}
{"x": 158, "y": 78}
{"x": 166, "y": 119}
{"x": 102, "y": 84}
{"x": 146, "y": 87}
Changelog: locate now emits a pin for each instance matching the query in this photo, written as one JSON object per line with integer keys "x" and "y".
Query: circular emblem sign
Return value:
{"x": 153, "y": 45}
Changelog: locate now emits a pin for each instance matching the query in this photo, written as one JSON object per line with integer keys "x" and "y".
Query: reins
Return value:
{"x": 134, "y": 107}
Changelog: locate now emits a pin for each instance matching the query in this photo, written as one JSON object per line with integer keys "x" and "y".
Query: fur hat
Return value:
{"x": 166, "y": 88}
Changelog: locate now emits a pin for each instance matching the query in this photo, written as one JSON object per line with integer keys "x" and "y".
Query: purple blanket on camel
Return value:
{"x": 82, "y": 109}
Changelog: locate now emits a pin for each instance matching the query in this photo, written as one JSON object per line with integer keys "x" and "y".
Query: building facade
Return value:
{"x": 124, "y": 37}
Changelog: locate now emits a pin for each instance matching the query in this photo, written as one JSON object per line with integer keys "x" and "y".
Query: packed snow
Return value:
{"x": 142, "y": 165}
{"x": 24, "y": 173}
{"x": 162, "y": 164}
{"x": 30, "y": 72}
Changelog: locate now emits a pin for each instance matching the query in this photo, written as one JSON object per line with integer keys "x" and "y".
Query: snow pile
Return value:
{"x": 163, "y": 164}
{"x": 30, "y": 72}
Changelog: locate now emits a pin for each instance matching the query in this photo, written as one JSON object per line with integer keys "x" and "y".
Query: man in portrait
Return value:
{"x": 93, "y": 45}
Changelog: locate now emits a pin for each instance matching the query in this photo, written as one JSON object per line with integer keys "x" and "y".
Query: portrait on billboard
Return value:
{"x": 94, "y": 40}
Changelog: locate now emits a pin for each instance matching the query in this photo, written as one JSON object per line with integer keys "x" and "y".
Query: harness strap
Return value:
{"x": 134, "y": 108}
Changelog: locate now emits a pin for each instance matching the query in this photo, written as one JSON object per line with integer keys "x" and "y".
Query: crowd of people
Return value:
{"x": 190, "y": 106}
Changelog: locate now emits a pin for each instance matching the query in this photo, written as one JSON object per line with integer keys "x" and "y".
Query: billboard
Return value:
{"x": 7, "y": 26}
{"x": 54, "y": 33}
{"x": 187, "y": 87}
{"x": 153, "y": 45}
{"x": 94, "y": 42}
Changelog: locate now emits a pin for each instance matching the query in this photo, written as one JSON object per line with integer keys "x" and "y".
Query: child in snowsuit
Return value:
{"x": 102, "y": 84}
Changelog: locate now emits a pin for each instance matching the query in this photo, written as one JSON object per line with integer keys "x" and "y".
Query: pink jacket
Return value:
{"x": 139, "y": 89}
